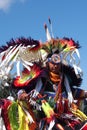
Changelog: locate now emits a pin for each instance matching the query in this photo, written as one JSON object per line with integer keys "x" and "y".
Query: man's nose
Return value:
{"x": 55, "y": 66}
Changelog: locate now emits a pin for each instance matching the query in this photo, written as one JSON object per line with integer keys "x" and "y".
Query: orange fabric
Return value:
{"x": 54, "y": 77}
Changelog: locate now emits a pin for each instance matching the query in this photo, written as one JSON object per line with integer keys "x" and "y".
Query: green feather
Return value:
{"x": 13, "y": 116}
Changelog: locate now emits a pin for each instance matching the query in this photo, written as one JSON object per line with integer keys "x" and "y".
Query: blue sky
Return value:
{"x": 27, "y": 17}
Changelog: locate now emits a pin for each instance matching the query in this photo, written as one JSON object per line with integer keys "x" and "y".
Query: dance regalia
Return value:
{"x": 52, "y": 102}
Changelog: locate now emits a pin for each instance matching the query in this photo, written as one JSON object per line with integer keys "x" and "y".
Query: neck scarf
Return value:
{"x": 55, "y": 78}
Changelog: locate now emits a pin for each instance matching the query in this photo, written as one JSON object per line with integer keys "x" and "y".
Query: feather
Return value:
{"x": 2, "y": 125}
{"x": 68, "y": 89}
{"x": 27, "y": 76}
{"x": 47, "y": 33}
{"x": 23, "y": 125}
{"x": 52, "y": 123}
{"x": 13, "y": 119}
{"x": 18, "y": 68}
{"x": 26, "y": 121}
{"x": 49, "y": 112}
{"x": 51, "y": 26}
{"x": 6, "y": 104}
{"x": 23, "y": 41}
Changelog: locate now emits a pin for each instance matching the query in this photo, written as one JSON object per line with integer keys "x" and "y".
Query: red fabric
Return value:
{"x": 6, "y": 104}
{"x": 84, "y": 127}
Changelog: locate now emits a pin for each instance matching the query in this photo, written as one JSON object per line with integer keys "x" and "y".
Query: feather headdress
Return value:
{"x": 25, "y": 52}
{"x": 66, "y": 48}
{"x": 20, "y": 53}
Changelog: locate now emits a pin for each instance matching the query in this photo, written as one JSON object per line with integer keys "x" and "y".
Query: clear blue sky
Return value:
{"x": 27, "y": 17}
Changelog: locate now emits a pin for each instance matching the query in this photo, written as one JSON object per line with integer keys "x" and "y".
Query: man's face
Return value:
{"x": 54, "y": 63}
{"x": 55, "y": 68}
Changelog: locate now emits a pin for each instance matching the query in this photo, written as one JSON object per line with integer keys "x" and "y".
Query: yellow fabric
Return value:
{"x": 23, "y": 124}
{"x": 78, "y": 113}
{"x": 47, "y": 109}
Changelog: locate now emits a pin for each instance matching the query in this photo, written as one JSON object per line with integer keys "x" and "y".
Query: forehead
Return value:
{"x": 53, "y": 64}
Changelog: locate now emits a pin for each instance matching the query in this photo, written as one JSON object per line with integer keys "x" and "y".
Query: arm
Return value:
{"x": 79, "y": 93}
